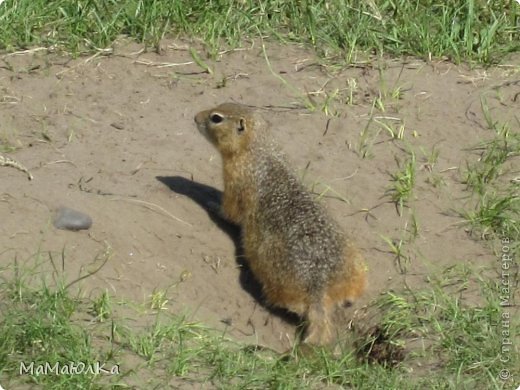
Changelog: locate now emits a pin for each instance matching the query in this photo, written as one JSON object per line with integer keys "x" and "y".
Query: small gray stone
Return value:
{"x": 69, "y": 219}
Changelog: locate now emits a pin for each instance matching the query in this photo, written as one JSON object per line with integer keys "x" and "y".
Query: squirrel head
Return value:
{"x": 231, "y": 127}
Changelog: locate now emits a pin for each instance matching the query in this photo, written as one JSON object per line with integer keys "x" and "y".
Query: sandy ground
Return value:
{"x": 113, "y": 136}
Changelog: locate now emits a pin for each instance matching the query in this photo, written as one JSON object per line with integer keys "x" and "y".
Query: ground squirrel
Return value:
{"x": 304, "y": 262}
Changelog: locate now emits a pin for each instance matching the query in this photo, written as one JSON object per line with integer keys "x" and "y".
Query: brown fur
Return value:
{"x": 304, "y": 262}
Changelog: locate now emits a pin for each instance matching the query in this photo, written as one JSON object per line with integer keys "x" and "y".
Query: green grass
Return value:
{"x": 491, "y": 179}
{"x": 470, "y": 30}
{"x": 459, "y": 348}
{"x": 42, "y": 322}
{"x": 465, "y": 338}
{"x": 403, "y": 182}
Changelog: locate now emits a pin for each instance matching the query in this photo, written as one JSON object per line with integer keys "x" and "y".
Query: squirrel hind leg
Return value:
{"x": 319, "y": 329}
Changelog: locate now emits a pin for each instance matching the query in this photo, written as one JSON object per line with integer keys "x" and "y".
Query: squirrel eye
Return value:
{"x": 216, "y": 118}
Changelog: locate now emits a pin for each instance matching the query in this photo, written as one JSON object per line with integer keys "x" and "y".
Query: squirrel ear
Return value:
{"x": 241, "y": 125}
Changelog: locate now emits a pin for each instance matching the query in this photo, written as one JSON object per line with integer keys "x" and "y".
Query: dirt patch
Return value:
{"x": 378, "y": 348}
{"x": 113, "y": 136}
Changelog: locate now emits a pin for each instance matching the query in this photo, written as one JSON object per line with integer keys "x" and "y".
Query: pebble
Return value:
{"x": 70, "y": 219}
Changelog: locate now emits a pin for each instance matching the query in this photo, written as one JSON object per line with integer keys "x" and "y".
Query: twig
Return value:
{"x": 36, "y": 49}
{"x": 162, "y": 64}
{"x": 154, "y": 207}
{"x": 8, "y": 162}
{"x": 88, "y": 274}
